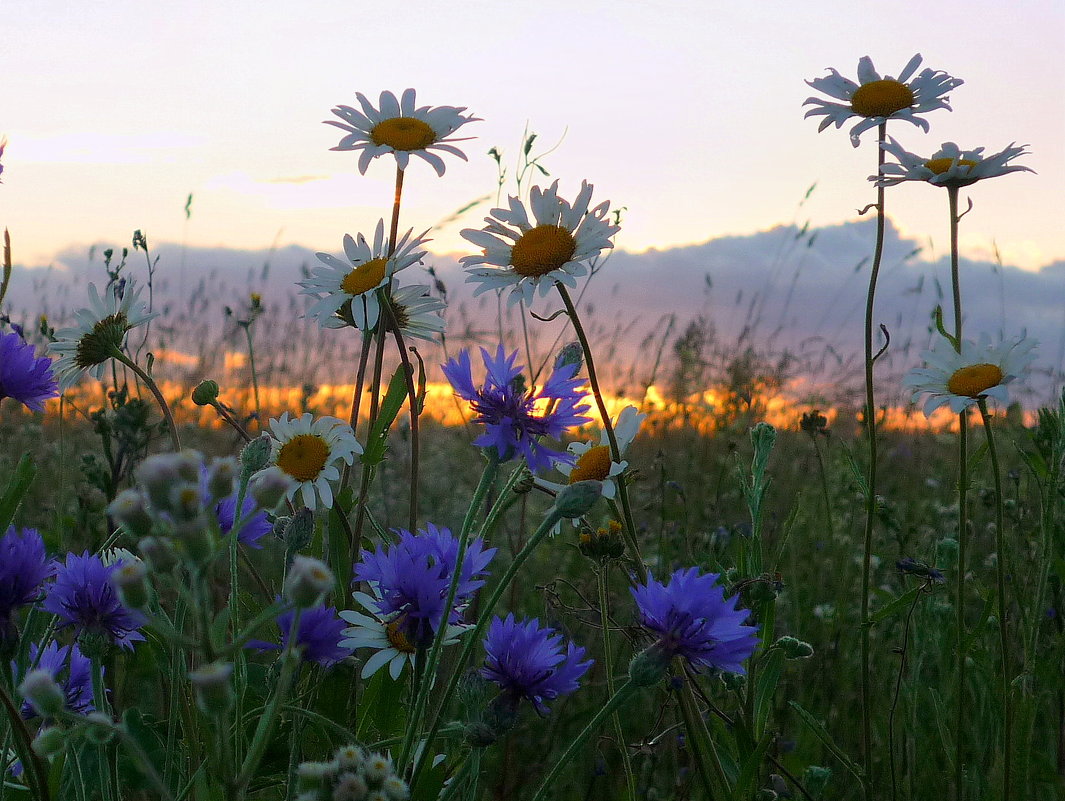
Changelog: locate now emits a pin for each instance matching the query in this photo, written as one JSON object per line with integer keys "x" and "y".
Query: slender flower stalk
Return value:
{"x": 608, "y": 665}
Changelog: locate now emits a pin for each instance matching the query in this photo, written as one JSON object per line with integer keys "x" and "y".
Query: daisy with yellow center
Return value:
{"x": 309, "y": 451}
{"x": 523, "y": 253}
{"x": 99, "y": 332}
{"x": 876, "y": 99}
{"x": 344, "y": 290}
{"x": 401, "y": 128}
{"x": 949, "y": 167}
{"x": 980, "y": 370}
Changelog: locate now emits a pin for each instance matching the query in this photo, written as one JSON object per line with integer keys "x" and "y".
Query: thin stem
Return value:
{"x": 1003, "y": 623}
{"x": 955, "y": 278}
{"x": 903, "y": 654}
{"x": 254, "y": 375}
{"x": 870, "y": 501}
{"x": 615, "y": 451}
{"x": 356, "y": 396}
{"x": 608, "y": 659}
{"x": 824, "y": 489}
{"x": 37, "y": 773}
{"x": 150, "y": 383}
{"x": 412, "y": 401}
{"x": 99, "y": 696}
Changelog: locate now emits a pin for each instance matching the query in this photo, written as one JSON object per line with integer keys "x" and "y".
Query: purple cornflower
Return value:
{"x": 73, "y": 673}
{"x": 24, "y": 567}
{"x": 516, "y": 418}
{"x": 693, "y": 619}
{"x": 411, "y": 578}
{"x": 254, "y": 524}
{"x": 318, "y": 636}
{"x": 82, "y": 596}
{"x": 23, "y": 376}
{"x": 526, "y": 661}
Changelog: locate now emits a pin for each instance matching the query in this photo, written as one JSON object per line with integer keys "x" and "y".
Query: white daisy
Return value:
{"x": 309, "y": 451}
{"x": 980, "y": 370}
{"x": 385, "y": 637}
{"x": 344, "y": 289}
{"x": 878, "y": 99}
{"x": 400, "y": 128}
{"x": 553, "y": 246}
{"x": 418, "y": 313}
{"x": 949, "y": 166}
{"x": 100, "y": 330}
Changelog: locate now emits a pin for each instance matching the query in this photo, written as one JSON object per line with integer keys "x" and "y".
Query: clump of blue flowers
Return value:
{"x": 84, "y": 597}
{"x": 23, "y": 376}
{"x": 71, "y": 670}
{"x": 24, "y": 567}
{"x": 516, "y": 418}
{"x": 691, "y": 618}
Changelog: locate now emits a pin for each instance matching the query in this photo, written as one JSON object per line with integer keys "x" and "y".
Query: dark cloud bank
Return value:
{"x": 780, "y": 291}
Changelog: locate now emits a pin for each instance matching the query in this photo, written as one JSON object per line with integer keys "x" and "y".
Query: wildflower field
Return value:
{"x": 484, "y": 573}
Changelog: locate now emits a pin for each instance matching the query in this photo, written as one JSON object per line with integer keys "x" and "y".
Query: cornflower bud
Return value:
{"x": 50, "y": 741}
{"x": 206, "y": 393}
{"x": 794, "y": 648}
{"x": 130, "y": 582}
{"x": 220, "y": 478}
{"x": 42, "y": 692}
{"x": 256, "y": 454}
{"x": 577, "y": 499}
{"x": 307, "y": 581}
{"x": 129, "y": 510}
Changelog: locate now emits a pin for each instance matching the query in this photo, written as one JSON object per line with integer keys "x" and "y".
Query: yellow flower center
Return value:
{"x": 974, "y": 380}
{"x": 403, "y": 133}
{"x": 541, "y": 250}
{"x": 593, "y": 465}
{"x": 98, "y": 345}
{"x": 397, "y": 639}
{"x": 881, "y": 98}
{"x": 940, "y": 166}
{"x": 303, "y": 457}
{"x": 365, "y": 277}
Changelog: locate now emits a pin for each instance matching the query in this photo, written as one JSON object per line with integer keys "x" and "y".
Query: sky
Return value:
{"x": 687, "y": 114}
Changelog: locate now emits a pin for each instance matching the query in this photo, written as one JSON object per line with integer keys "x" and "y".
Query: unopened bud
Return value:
{"x": 157, "y": 475}
{"x": 186, "y": 502}
{"x": 50, "y": 741}
{"x": 314, "y": 775}
{"x": 794, "y": 648}
{"x": 256, "y": 454}
{"x": 299, "y": 530}
{"x": 42, "y": 692}
{"x": 214, "y": 691}
{"x": 570, "y": 354}
{"x": 129, "y": 510}
{"x": 349, "y": 786}
{"x": 649, "y": 666}
{"x": 159, "y": 553}
{"x": 206, "y": 393}
{"x": 220, "y": 477}
{"x": 129, "y": 580}
{"x": 307, "y": 581}
{"x": 378, "y": 767}
{"x": 350, "y": 757}
{"x": 268, "y": 487}
{"x": 577, "y": 499}
{"x": 197, "y": 539}
{"x": 101, "y": 728}
{"x": 395, "y": 788}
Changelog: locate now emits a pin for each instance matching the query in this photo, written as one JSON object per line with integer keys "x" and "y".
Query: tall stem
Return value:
{"x": 608, "y": 659}
{"x": 615, "y": 451}
{"x": 1003, "y": 623}
{"x": 150, "y": 383}
{"x": 356, "y": 395}
{"x": 254, "y": 376}
{"x": 870, "y": 501}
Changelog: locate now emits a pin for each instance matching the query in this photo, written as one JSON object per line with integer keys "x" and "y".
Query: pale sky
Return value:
{"x": 688, "y": 113}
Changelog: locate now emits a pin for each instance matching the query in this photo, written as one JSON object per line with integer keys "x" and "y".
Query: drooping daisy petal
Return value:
{"x": 309, "y": 451}
{"x": 950, "y": 166}
{"x": 876, "y": 99}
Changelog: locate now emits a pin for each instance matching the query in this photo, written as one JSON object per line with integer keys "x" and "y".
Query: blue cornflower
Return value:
{"x": 24, "y": 567}
{"x": 318, "y": 636}
{"x": 82, "y": 596}
{"x": 516, "y": 418}
{"x": 73, "y": 673}
{"x": 23, "y": 376}
{"x": 410, "y": 580}
{"x": 525, "y": 659}
{"x": 693, "y": 619}
{"x": 254, "y": 524}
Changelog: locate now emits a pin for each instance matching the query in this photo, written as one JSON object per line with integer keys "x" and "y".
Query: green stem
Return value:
{"x": 617, "y": 699}
{"x": 150, "y": 383}
{"x": 99, "y": 696}
{"x": 608, "y": 426}
{"x": 36, "y": 773}
{"x": 473, "y": 638}
{"x": 254, "y": 375}
{"x": 1003, "y": 623}
{"x": 870, "y": 501}
{"x": 356, "y": 395}
{"x": 608, "y": 659}
{"x": 715, "y": 785}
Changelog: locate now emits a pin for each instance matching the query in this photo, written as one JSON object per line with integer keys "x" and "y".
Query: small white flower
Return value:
{"x": 980, "y": 370}
{"x": 98, "y": 331}
{"x": 949, "y": 166}
{"x": 877, "y": 99}
{"x": 384, "y": 636}
{"x": 523, "y": 254}
{"x": 114, "y": 556}
{"x": 400, "y": 128}
{"x": 418, "y": 313}
{"x": 344, "y": 291}
{"x": 594, "y": 462}
{"x": 309, "y": 451}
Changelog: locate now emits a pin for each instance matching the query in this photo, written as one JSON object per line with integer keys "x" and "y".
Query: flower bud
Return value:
{"x": 101, "y": 728}
{"x": 794, "y": 648}
{"x": 186, "y": 502}
{"x": 42, "y": 692}
{"x": 157, "y": 475}
{"x": 268, "y": 487}
{"x": 256, "y": 454}
{"x": 129, "y": 510}
{"x": 395, "y": 788}
{"x": 220, "y": 477}
{"x": 307, "y": 581}
{"x": 378, "y": 767}
{"x": 214, "y": 691}
{"x": 312, "y": 776}
{"x": 350, "y": 757}
{"x": 196, "y": 539}
{"x": 480, "y": 735}
{"x": 159, "y": 553}
{"x": 570, "y": 354}
{"x": 206, "y": 393}
{"x": 649, "y": 666}
{"x": 299, "y": 530}
{"x": 129, "y": 580}
{"x": 577, "y": 499}
{"x": 349, "y": 787}
{"x": 49, "y": 742}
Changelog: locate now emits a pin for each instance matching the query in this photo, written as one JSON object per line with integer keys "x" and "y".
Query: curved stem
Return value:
{"x": 150, "y": 383}
{"x": 1003, "y": 623}
{"x": 608, "y": 426}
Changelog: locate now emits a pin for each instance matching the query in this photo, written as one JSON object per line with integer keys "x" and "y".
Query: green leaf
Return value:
{"x": 894, "y": 607}
{"x": 856, "y": 471}
{"x": 766, "y": 688}
{"x": 17, "y": 487}
{"x": 380, "y": 708}
{"x": 821, "y": 733}
{"x": 390, "y": 406}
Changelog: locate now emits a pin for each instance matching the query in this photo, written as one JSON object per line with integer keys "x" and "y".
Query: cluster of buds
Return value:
{"x": 352, "y": 775}
{"x": 602, "y": 544}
